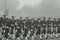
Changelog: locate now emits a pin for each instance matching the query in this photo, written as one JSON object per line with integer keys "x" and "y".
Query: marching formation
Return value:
{"x": 19, "y": 29}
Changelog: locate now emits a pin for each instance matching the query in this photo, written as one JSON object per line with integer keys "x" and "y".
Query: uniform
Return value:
{"x": 25, "y": 33}
{"x": 1, "y": 22}
{"x": 6, "y": 31}
{"x": 28, "y": 24}
{"x": 55, "y": 23}
{"x": 49, "y": 26}
{"x": 17, "y": 34}
{"x": 58, "y": 26}
{"x": 21, "y": 24}
{"x": 12, "y": 25}
{"x": 43, "y": 25}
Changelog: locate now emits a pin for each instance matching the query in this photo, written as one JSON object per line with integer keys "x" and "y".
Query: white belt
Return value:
{"x": 18, "y": 27}
{"x": 12, "y": 25}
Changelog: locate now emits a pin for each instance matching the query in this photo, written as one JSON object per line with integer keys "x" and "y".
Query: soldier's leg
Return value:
{"x": 17, "y": 38}
{"x": 26, "y": 38}
{"x": 0, "y": 33}
{"x": 35, "y": 35}
{"x": 41, "y": 35}
{"x": 21, "y": 36}
{"x": 32, "y": 37}
{"x": 46, "y": 36}
{"x": 28, "y": 35}
{"x": 53, "y": 31}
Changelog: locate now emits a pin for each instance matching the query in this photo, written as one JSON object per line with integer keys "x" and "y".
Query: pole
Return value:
{"x": 5, "y": 7}
{"x": 6, "y": 11}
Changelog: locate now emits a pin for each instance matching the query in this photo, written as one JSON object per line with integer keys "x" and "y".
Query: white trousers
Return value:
{"x": 26, "y": 38}
{"x": 21, "y": 36}
{"x": 41, "y": 37}
{"x": 32, "y": 37}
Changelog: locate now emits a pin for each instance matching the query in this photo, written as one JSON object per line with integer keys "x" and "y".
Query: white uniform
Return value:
{"x": 26, "y": 38}
{"x": 0, "y": 33}
{"x": 41, "y": 37}
{"x": 32, "y": 37}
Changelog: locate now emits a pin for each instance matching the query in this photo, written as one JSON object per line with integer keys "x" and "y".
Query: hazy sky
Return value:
{"x": 29, "y": 2}
{"x": 32, "y": 8}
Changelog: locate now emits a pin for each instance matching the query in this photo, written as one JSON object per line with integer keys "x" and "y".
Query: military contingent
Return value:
{"x": 19, "y": 29}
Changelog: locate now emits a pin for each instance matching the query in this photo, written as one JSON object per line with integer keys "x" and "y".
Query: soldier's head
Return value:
{"x": 54, "y": 19}
{"x": 49, "y": 18}
{"x": 44, "y": 18}
{"x": 4, "y": 16}
{"x": 58, "y": 19}
{"x": 13, "y": 17}
{"x": 27, "y": 18}
{"x": 20, "y": 18}
{"x": 39, "y": 18}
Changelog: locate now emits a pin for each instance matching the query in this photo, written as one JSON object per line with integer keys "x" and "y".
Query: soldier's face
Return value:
{"x": 13, "y": 18}
{"x": 4, "y": 16}
{"x": 55, "y": 19}
{"x": 20, "y": 18}
{"x": 27, "y": 18}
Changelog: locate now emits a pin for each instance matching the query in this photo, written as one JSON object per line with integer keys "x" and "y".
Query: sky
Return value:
{"x": 29, "y": 2}
{"x": 31, "y": 8}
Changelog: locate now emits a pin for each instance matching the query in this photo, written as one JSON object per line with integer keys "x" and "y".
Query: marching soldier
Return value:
{"x": 4, "y": 22}
{"x": 28, "y": 23}
{"x": 1, "y": 28}
{"x": 49, "y": 25}
{"x": 12, "y": 27}
{"x": 1, "y": 22}
{"x": 6, "y": 35}
{"x": 58, "y": 26}
{"x": 21, "y": 23}
{"x": 55, "y": 26}
{"x": 43, "y": 26}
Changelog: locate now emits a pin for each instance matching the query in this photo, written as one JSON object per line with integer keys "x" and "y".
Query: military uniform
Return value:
{"x": 55, "y": 26}
{"x": 58, "y": 26}
{"x": 6, "y": 32}
{"x": 18, "y": 31}
{"x": 25, "y": 32}
{"x": 12, "y": 25}
{"x": 49, "y": 26}
{"x": 43, "y": 25}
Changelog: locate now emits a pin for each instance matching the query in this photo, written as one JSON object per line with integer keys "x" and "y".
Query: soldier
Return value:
{"x": 1, "y": 28}
{"x": 58, "y": 26}
{"x": 49, "y": 25}
{"x": 43, "y": 26}
{"x": 39, "y": 27}
{"x": 1, "y": 22}
{"x": 12, "y": 27}
{"x": 21, "y": 24}
{"x": 6, "y": 31}
{"x": 4, "y": 21}
{"x": 28, "y": 23}
{"x": 55, "y": 27}
{"x": 34, "y": 27}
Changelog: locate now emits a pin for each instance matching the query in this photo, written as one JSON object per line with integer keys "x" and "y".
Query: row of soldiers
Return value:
{"x": 19, "y": 29}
